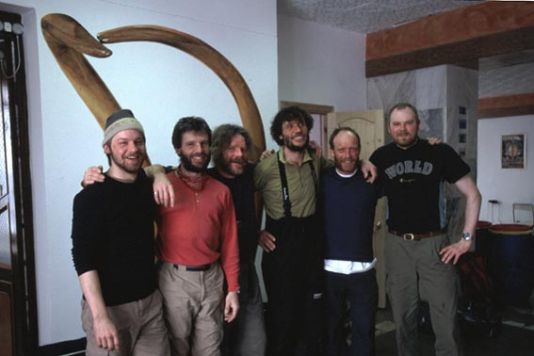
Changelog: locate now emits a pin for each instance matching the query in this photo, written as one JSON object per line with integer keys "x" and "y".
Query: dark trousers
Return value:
{"x": 245, "y": 336}
{"x": 360, "y": 292}
{"x": 293, "y": 281}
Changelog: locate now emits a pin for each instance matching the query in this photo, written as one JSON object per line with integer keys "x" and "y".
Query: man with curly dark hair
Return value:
{"x": 292, "y": 263}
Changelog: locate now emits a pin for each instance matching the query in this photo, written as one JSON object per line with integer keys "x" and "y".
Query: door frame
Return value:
{"x": 21, "y": 275}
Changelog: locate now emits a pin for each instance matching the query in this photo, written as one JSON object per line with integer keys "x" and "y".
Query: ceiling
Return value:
{"x": 364, "y": 16}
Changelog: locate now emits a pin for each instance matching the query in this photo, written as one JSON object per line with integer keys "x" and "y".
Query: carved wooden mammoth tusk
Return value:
{"x": 69, "y": 42}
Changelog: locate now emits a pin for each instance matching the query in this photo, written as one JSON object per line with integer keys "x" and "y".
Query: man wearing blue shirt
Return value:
{"x": 348, "y": 206}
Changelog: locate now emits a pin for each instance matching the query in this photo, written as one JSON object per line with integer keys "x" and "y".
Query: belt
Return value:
{"x": 416, "y": 236}
{"x": 200, "y": 268}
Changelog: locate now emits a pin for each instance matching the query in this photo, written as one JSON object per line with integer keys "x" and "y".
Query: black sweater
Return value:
{"x": 113, "y": 233}
{"x": 242, "y": 189}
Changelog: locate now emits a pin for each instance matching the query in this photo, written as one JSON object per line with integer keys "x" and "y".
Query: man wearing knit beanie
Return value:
{"x": 113, "y": 250}
{"x": 124, "y": 121}
{"x": 120, "y": 121}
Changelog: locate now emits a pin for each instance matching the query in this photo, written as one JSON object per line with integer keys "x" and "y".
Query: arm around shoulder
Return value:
{"x": 163, "y": 190}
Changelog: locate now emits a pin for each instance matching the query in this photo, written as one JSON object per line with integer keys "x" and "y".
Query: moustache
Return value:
{"x": 238, "y": 161}
{"x": 202, "y": 155}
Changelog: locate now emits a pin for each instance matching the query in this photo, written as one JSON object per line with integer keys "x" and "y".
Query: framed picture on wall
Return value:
{"x": 513, "y": 151}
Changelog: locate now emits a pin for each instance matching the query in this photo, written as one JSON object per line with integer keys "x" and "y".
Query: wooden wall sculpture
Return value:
{"x": 69, "y": 42}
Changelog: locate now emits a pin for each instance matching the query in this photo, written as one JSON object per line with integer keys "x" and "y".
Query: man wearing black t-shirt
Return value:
{"x": 245, "y": 336}
{"x": 419, "y": 256}
{"x": 113, "y": 250}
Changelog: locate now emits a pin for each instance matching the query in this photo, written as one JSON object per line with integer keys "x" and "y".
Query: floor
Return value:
{"x": 515, "y": 337}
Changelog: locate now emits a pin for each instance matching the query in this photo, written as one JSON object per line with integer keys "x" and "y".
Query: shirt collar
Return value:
{"x": 345, "y": 175}
{"x": 282, "y": 157}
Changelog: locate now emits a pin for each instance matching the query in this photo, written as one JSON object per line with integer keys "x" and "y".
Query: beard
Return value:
{"x": 226, "y": 166}
{"x": 123, "y": 164}
{"x": 346, "y": 165}
{"x": 405, "y": 140}
{"x": 295, "y": 148}
{"x": 187, "y": 162}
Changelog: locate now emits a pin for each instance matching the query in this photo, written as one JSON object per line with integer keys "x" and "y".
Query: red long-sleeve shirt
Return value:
{"x": 201, "y": 228}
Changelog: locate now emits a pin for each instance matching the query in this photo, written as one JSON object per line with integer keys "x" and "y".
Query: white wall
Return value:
{"x": 159, "y": 84}
{"x": 505, "y": 185}
{"x": 322, "y": 65}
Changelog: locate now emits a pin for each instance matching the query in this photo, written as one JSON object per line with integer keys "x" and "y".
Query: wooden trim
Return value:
{"x": 457, "y": 37}
{"x": 310, "y": 108}
{"x": 6, "y": 321}
{"x": 4, "y": 266}
{"x": 503, "y": 106}
{"x": 451, "y": 27}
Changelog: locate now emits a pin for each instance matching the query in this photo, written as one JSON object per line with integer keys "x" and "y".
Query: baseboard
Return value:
{"x": 71, "y": 347}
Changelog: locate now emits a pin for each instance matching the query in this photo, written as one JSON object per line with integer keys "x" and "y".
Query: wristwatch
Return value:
{"x": 466, "y": 236}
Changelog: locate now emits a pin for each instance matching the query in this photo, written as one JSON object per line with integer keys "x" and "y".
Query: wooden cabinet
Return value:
{"x": 6, "y": 319}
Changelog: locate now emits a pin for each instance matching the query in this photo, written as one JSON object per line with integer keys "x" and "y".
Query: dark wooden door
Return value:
{"x": 6, "y": 321}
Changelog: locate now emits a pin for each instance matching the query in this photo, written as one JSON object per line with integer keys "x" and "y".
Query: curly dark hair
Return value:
{"x": 222, "y": 137}
{"x": 189, "y": 123}
{"x": 289, "y": 114}
{"x": 402, "y": 106}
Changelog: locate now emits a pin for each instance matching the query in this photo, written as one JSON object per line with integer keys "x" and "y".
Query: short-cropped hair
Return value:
{"x": 402, "y": 106}
{"x": 340, "y": 129}
{"x": 186, "y": 124}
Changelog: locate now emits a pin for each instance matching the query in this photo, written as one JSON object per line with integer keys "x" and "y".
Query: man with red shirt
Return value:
{"x": 198, "y": 236}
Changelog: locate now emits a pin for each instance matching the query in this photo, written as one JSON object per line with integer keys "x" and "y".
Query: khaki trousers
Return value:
{"x": 193, "y": 303}
{"x": 140, "y": 325}
{"x": 414, "y": 272}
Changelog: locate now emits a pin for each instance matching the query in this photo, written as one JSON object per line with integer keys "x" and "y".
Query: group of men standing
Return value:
{"x": 317, "y": 241}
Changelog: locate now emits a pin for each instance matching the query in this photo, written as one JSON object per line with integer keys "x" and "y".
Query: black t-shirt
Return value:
{"x": 113, "y": 233}
{"x": 411, "y": 179}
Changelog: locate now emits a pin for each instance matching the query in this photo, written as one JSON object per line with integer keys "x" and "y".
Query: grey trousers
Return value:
{"x": 193, "y": 305}
{"x": 414, "y": 271}
{"x": 140, "y": 326}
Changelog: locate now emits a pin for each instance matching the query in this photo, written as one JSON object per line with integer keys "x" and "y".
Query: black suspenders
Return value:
{"x": 285, "y": 187}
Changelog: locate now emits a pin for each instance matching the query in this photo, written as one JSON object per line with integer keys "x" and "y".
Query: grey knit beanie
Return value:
{"x": 120, "y": 121}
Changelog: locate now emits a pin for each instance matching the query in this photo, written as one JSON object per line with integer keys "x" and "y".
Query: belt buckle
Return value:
{"x": 408, "y": 236}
